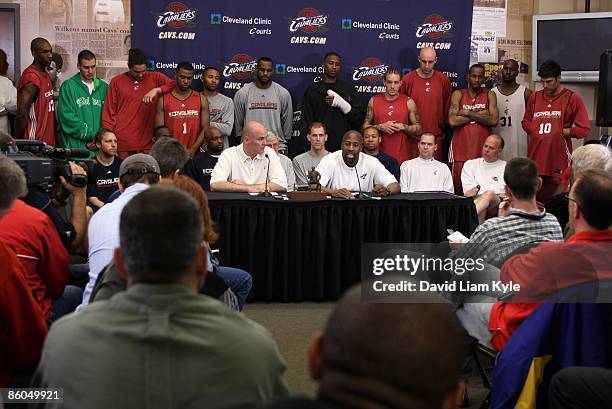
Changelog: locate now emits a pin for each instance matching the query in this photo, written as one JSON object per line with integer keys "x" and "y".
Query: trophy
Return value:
{"x": 314, "y": 188}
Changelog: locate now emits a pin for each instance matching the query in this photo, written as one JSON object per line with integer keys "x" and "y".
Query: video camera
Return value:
{"x": 44, "y": 164}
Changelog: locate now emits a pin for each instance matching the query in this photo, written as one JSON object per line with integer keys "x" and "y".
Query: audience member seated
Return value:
{"x": 347, "y": 170}
{"x": 303, "y": 163}
{"x": 238, "y": 280}
{"x": 362, "y": 359}
{"x": 23, "y": 323}
{"x": 520, "y": 222}
{"x": 39, "y": 248}
{"x": 425, "y": 173}
{"x": 244, "y": 168}
{"x": 200, "y": 167}
{"x": 171, "y": 155}
{"x": 272, "y": 142}
{"x": 591, "y": 156}
{"x": 371, "y": 146}
{"x": 160, "y": 341}
{"x": 160, "y": 132}
{"x": 483, "y": 178}
{"x": 136, "y": 174}
{"x": 105, "y": 170}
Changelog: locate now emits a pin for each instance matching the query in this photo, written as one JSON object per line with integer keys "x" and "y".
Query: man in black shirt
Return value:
{"x": 371, "y": 143}
{"x": 105, "y": 171}
{"x": 332, "y": 102}
{"x": 201, "y": 166}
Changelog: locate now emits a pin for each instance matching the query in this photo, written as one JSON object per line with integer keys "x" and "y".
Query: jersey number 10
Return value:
{"x": 545, "y": 128}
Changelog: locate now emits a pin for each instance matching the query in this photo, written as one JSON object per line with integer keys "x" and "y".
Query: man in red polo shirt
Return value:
{"x": 124, "y": 111}
{"x": 35, "y": 105}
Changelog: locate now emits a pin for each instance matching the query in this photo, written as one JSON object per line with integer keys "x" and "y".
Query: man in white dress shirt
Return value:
{"x": 483, "y": 178}
{"x": 425, "y": 174}
{"x": 243, "y": 168}
{"x": 348, "y": 170}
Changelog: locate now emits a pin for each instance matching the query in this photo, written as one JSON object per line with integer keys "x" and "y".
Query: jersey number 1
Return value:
{"x": 545, "y": 128}
{"x": 184, "y": 127}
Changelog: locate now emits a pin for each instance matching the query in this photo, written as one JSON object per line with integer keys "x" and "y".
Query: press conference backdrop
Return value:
{"x": 370, "y": 35}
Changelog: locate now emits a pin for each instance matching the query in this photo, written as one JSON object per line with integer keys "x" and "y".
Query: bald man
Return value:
{"x": 244, "y": 168}
{"x": 483, "y": 178}
{"x": 360, "y": 362}
{"x": 35, "y": 105}
{"x": 431, "y": 91}
{"x": 349, "y": 170}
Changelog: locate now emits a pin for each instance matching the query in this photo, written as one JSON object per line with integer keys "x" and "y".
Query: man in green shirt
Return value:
{"x": 159, "y": 344}
{"x": 79, "y": 109}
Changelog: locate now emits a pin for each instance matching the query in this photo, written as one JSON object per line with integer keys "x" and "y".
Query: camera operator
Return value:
{"x": 73, "y": 232}
{"x": 42, "y": 255}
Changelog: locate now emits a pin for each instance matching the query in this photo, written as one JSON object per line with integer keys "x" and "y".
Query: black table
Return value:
{"x": 311, "y": 250}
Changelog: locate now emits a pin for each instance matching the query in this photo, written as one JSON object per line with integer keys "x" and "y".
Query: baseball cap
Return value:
{"x": 149, "y": 164}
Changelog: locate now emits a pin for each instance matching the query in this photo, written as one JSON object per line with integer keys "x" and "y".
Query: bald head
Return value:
{"x": 427, "y": 61}
{"x": 39, "y": 43}
{"x": 349, "y": 134}
{"x": 405, "y": 355}
{"x": 41, "y": 51}
{"x": 254, "y": 138}
{"x": 510, "y": 71}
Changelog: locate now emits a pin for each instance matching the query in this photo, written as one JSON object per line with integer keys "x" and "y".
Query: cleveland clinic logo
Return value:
{"x": 241, "y": 66}
{"x": 177, "y": 15}
{"x": 371, "y": 69}
{"x": 435, "y": 27}
{"x": 308, "y": 20}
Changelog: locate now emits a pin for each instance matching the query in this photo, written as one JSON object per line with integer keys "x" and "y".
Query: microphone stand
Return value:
{"x": 266, "y": 192}
{"x": 361, "y": 195}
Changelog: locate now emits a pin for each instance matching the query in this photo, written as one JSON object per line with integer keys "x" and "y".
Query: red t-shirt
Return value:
{"x": 546, "y": 269}
{"x": 41, "y": 118}
{"x": 468, "y": 139}
{"x": 398, "y": 144}
{"x": 124, "y": 112}
{"x": 23, "y": 325}
{"x": 544, "y": 120}
{"x": 33, "y": 236}
{"x": 432, "y": 98}
{"x": 182, "y": 117}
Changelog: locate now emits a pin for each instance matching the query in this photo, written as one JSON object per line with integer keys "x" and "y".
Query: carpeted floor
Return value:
{"x": 294, "y": 325}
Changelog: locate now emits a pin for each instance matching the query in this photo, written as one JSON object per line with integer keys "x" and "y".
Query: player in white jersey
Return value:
{"x": 511, "y": 101}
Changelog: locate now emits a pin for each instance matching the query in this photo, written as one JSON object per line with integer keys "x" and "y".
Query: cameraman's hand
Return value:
{"x": 76, "y": 170}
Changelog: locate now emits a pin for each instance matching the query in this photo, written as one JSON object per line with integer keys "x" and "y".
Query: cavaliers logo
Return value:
{"x": 241, "y": 66}
{"x": 435, "y": 27}
{"x": 371, "y": 69}
{"x": 309, "y": 20}
{"x": 177, "y": 15}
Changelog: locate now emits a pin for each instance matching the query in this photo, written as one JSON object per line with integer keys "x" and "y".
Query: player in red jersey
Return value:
{"x": 35, "y": 105}
{"x": 472, "y": 114}
{"x": 553, "y": 116}
{"x": 395, "y": 116}
{"x": 431, "y": 91}
{"x": 184, "y": 111}
{"x": 124, "y": 112}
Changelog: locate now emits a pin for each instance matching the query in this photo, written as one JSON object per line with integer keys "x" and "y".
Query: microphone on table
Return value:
{"x": 266, "y": 192}
{"x": 361, "y": 195}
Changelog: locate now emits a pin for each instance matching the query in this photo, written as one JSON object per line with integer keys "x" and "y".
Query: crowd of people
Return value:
{"x": 143, "y": 332}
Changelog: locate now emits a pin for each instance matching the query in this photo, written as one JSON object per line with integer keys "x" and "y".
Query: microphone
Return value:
{"x": 266, "y": 192}
{"x": 361, "y": 195}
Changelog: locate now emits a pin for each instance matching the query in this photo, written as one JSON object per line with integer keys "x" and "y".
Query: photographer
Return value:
{"x": 73, "y": 232}
{"x": 43, "y": 257}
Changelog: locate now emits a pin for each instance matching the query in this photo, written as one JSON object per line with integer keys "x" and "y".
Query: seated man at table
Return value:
{"x": 244, "y": 168}
{"x": 425, "y": 174}
{"x": 348, "y": 170}
{"x": 483, "y": 178}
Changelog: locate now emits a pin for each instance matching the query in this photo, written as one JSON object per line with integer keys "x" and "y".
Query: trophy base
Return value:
{"x": 307, "y": 195}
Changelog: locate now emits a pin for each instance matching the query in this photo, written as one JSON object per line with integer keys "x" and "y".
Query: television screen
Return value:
{"x": 575, "y": 43}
